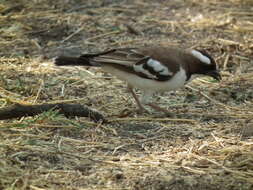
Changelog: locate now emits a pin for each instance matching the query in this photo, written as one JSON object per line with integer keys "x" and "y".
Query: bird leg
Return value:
{"x": 146, "y": 100}
{"x": 141, "y": 108}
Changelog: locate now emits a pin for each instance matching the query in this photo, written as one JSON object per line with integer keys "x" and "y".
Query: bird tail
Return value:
{"x": 83, "y": 60}
{"x": 75, "y": 61}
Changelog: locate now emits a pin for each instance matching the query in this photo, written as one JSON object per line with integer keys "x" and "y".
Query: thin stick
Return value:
{"x": 36, "y": 188}
{"x": 151, "y": 119}
{"x": 71, "y": 35}
{"x": 39, "y": 91}
{"x": 226, "y": 62}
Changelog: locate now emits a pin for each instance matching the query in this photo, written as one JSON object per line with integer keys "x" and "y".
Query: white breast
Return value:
{"x": 177, "y": 81}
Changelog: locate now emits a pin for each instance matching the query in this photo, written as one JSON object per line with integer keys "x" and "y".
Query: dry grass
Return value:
{"x": 208, "y": 145}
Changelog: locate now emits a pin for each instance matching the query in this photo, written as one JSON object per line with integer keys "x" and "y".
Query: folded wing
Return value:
{"x": 141, "y": 62}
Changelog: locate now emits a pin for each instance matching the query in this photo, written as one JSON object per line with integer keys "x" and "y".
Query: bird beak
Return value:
{"x": 215, "y": 74}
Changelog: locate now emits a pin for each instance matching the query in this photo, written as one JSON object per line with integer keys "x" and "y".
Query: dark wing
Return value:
{"x": 149, "y": 63}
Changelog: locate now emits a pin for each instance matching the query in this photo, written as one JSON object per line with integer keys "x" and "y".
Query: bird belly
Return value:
{"x": 177, "y": 81}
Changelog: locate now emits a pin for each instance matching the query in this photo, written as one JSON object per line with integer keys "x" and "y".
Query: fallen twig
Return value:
{"x": 69, "y": 110}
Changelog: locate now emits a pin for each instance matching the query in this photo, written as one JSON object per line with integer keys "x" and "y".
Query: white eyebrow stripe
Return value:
{"x": 201, "y": 57}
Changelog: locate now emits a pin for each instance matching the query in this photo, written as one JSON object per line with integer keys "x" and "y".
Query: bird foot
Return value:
{"x": 160, "y": 109}
{"x": 142, "y": 110}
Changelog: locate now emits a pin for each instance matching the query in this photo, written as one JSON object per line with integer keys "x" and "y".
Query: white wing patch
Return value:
{"x": 155, "y": 65}
{"x": 201, "y": 57}
{"x": 153, "y": 69}
{"x": 158, "y": 67}
{"x": 140, "y": 69}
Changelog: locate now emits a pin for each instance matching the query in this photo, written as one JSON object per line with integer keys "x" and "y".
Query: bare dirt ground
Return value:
{"x": 207, "y": 145}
